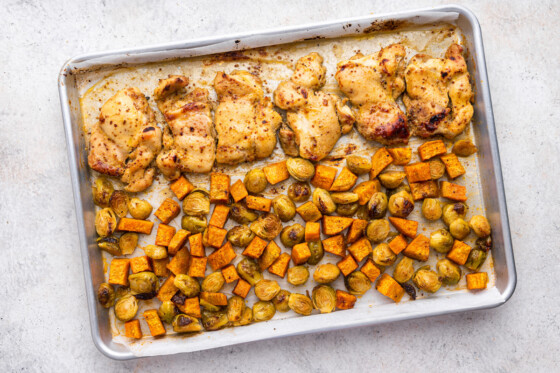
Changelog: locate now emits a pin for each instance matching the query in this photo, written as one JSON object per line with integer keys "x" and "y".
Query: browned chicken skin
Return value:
{"x": 245, "y": 121}
{"x": 373, "y": 83}
{"x": 316, "y": 120}
{"x": 189, "y": 138}
{"x": 126, "y": 140}
{"x": 438, "y": 94}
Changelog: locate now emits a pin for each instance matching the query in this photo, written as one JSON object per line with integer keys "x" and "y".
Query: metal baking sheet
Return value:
{"x": 85, "y": 82}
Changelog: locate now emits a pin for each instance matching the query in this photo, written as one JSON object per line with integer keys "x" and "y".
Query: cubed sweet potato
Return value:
{"x": 335, "y": 245}
{"x": 216, "y": 236}
{"x": 344, "y": 300}
{"x": 366, "y": 189}
{"x": 154, "y": 323}
{"x": 181, "y": 187}
{"x": 222, "y": 257}
{"x": 197, "y": 267}
{"x": 190, "y": 307}
{"x": 280, "y": 265}
{"x": 356, "y": 230}
{"x": 167, "y": 289}
{"x": 164, "y": 234}
{"x": 459, "y": 253}
{"x": 390, "y": 288}
{"x": 347, "y": 265}
{"x": 132, "y": 329}
{"x": 401, "y": 156}
{"x": 424, "y": 189}
{"x": 276, "y": 172}
{"x": 217, "y": 299}
{"x": 345, "y": 181}
{"x": 407, "y": 227}
{"x": 219, "y": 188}
{"x": 380, "y": 160}
{"x": 360, "y": 249}
{"x": 418, "y": 172}
{"x": 258, "y": 203}
{"x": 398, "y": 244}
{"x": 178, "y": 241}
{"x": 271, "y": 252}
{"x": 238, "y": 191}
{"x": 219, "y": 216}
{"x": 452, "y": 191}
{"x": 309, "y": 212}
{"x": 333, "y": 225}
{"x": 140, "y": 264}
{"x": 255, "y": 248}
{"x": 118, "y": 271}
{"x": 180, "y": 262}
{"x": 453, "y": 166}
{"x": 160, "y": 267}
{"x": 370, "y": 270}
{"x": 195, "y": 243}
{"x": 300, "y": 253}
{"x": 230, "y": 273}
{"x": 135, "y": 225}
{"x": 431, "y": 149}
{"x": 477, "y": 281}
{"x": 242, "y": 288}
{"x": 324, "y": 177}
{"x": 312, "y": 231}
{"x": 419, "y": 248}
{"x": 167, "y": 211}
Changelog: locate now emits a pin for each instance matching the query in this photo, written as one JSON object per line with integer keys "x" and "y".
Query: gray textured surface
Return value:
{"x": 43, "y": 316}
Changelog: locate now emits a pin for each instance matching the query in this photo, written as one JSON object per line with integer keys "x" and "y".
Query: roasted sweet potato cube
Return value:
{"x": 132, "y": 329}
{"x": 356, "y": 230}
{"x": 312, "y": 231}
{"x": 309, "y": 212}
{"x": 242, "y": 288}
{"x": 160, "y": 267}
{"x": 238, "y": 191}
{"x": 178, "y": 241}
{"x": 366, "y": 189}
{"x": 431, "y": 149}
{"x": 167, "y": 211}
{"x": 335, "y": 245}
{"x": 190, "y": 307}
{"x": 140, "y": 264}
{"x": 459, "y": 253}
{"x": 154, "y": 323}
{"x": 401, "y": 156}
{"x": 219, "y": 188}
{"x": 197, "y": 248}
{"x": 181, "y": 187}
{"x": 271, "y": 252}
{"x": 477, "y": 281}
{"x": 230, "y": 273}
{"x": 276, "y": 172}
{"x": 398, "y": 244}
{"x": 381, "y": 159}
{"x": 344, "y": 300}
{"x": 419, "y": 248}
{"x": 370, "y": 270}
{"x": 347, "y": 265}
{"x": 335, "y": 224}
{"x": 258, "y": 203}
{"x": 180, "y": 262}
{"x": 418, "y": 172}
{"x": 453, "y": 166}
{"x": 390, "y": 288}
{"x": 452, "y": 191}
{"x": 407, "y": 227}
{"x": 360, "y": 249}
{"x": 164, "y": 234}
{"x": 219, "y": 216}
{"x": 222, "y": 257}
{"x": 118, "y": 271}
{"x": 300, "y": 253}
{"x": 216, "y": 236}
{"x": 217, "y": 299}
{"x": 424, "y": 189}
{"x": 167, "y": 289}
{"x": 135, "y": 225}
{"x": 324, "y": 177}
{"x": 255, "y": 248}
{"x": 345, "y": 181}
{"x": 197, "y": 267}
{"x": 280, "y": 265}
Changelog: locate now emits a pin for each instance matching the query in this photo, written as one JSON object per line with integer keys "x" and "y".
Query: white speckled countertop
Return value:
{"x": 43, "y": 316}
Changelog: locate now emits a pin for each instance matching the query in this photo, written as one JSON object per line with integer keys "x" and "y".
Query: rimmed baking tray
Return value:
{"x": 489, "y": 177}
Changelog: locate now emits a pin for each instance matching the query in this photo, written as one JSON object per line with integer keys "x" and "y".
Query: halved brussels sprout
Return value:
{"x": 459, "y": 229}
{"x": 322, "y": 199}
{"x": 213, "y": 283}
{"x": 431, "y": 209}
{"x": 246, "y": 317}
{"x": 197, "y": 203}
{"x": 241, "y": 214}
{"x": 105, "y": 222}
{"x": 249, "y": 271}
{"x": 280, "y": 301}
{"x": 441, "y": 241}
{"x": 194, "y": 224}
{"x": 267, "y": 226}
{"x": 292, "y": 235}
{"x": 484, "y": 243}
{"x": 347, "y": 209}
{"x": 128, "y": 243}
{"x": 480, "y": 226}
{"x": 255, "y": 181}
{"x": 155, "y": 251}
{"x": 404, "y": 270}
{"x": 298, "y": 275}
{"x": 240, "y": 236}
{"x": 143, "y": 283}
{"x": 378, "y": 230}
{"x": 214, "y": 320}
{"x": 301, "y": 304}
{"x": 106, "y": 295}
{"x": 377, "y": 205}
{"x": 452, "y": 211}
{"x": 110, "y": 244}
{"x": 300, "y": 169}
{"x": 126, "y": 308}
{"x": 464, "y": 148}
{"x": 357, "y": 283}
{"x": 119, "y": 203}
{"x": 317, "y": 252}
{"x": 326, "y": 273}
{"x": 324, "y": 298}
{"x": 449, "y": 272}
{"x": 358, "y": 165}
{"x": 235, "y": 308}
{"x": 267, "y": 289}
{"x": 187, "y": 285}
{"x": 186, "y": 324}
{"x": 391, "y": 179}
{"x": 437, "y": 169}
{"x": 209, "y": 306}
{"x": 427, "y": 280}
{"x": 344, "y": 197}
{"x": 299, "y": 192}
{"x": 102, "y": 190}
{"x": 476, "y": 259}
{"x": 263, "y": 311}
{"x": 383, "y": 256}
{"x": 139, "y": 209}
{"x": 284, "y": 207}
{"x": 166, "y": 311}
{"x": 401, "y": 204}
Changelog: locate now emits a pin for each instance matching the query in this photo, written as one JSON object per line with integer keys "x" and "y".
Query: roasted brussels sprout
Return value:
{"x": 427, "y": 280}
{"x": 106, "y": 295}
{"x": 255, "y": 181}
{"x": 263, "y": 311}
{"x": 292, "y": 235}
{"x": 280, "y": 301}
{"x": 249, "y": 271}
{"x": 480, "y": 226}
{"x": 404, "y": 270}
{"x": 102, "y": 190}
{"x": 324, "y": 298}
{"x": 240, "y": 236}
{"x": 214, "y": 320}
{"x": 344, "y": 197}
{"x": 362, "y": 212}
{"x": 105, "y": 222}
{"x": 358, "y": 165}
{"x": 166, "y": 311}
{"x": 109, "y": 244}
{"x": 155, "y": 251}
{"x": 347, "y": 209}
{"x": 235, "y": 308}
{"x": 197, "y": 203}
{"x": 377, "y": 205}
{"x": 326, "y": 273}
{"x": 126, "y": 308}
{"x": 452, "y": 211}
{"x": 298, "y": 275}
{"x": 377, "y": 230}
{"x": 300, "y": 169}
{"x": 241, "y": 214}
{"x": 194, "y": 224}
{"x": 391, "y": 179}
{"x": 246, "y": 317}
{"x": 431, "y": 209}
{"x": 119, "y": 203}
{"x": 186, "y": 324}
{"x": 209, "y": 306}
{"x": 299, "y": 192}
{"x": 143, "y": 283}
{"x": 267, "y": 289}
{"x": 357, "y": 283}
{"x": 383, "y": 256}
{"x": 267, "y": 226}
{"x": 284, "y": 207}
{"x": 459, "y": 229}
{"x": 441, "y": 241}
{"x": 401, "y": 204}
{"x": 476, "y": 259}
{"x": 410, "y": 290}
{"x": 187, "y": 285}
{"x": 213, "y": 283}
{"x": 484, "y": 243}
{"x": 139, "y": 209}
{"x": 322, "y": 199}
{"x": 317, "y": 252}
{"x": 437, "y": 169}
{"x": 464, "y": 148}
{"x": 128, "y": 243}
{"x": 449, "y": 272}
{"x": 300, "y": 303}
